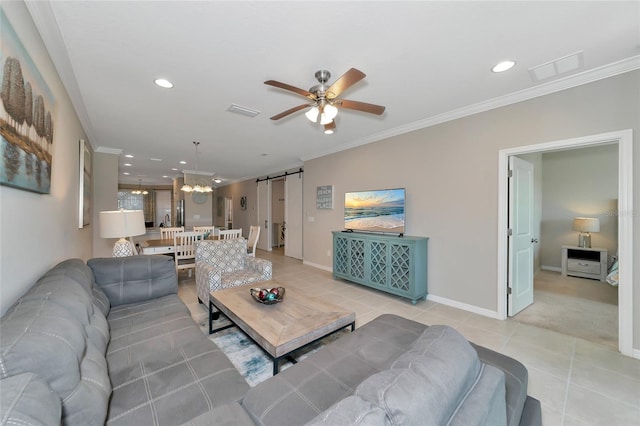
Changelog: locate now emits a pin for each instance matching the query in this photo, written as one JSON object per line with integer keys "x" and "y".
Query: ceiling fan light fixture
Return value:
{"x": 325, "y": 119}
{"x": 312, "y": 114}
{"x": 330, "y": 111}
{"x": 328, "y": 131}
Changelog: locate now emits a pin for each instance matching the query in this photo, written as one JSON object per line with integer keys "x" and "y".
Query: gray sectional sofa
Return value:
{"x": 110, "y": 342}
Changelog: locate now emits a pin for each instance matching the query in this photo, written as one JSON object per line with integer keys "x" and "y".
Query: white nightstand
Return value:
{"x": 584, "y": 262}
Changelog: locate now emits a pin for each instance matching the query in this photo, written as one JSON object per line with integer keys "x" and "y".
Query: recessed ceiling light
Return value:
{"x": 503, "y": 66}
{"x": 129, "y": 156}
{"x": 163, "y": 83}
{"x": 183, "y": 162}
{"x": 165, "y": 176}
{"x": 174, "y": 169}
{"x": 127, "y": 164}
{"x": 217, "y": 180}
{"x": 126, "y": 173}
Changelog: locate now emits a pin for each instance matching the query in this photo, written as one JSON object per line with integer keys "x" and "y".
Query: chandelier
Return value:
{"x": 140, "y": 190}
{"x": 197, "y": 184}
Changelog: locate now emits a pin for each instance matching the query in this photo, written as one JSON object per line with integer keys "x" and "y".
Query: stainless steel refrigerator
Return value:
{"x": 180, "y": 213}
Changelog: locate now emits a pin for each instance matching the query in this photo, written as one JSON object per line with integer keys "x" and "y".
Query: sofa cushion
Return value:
{"x": 516, "y": 381}
{"x": 134, "y": 279}
{"x": 331, "y": 374}
{"x": 141, "y": 330}
{"x": 28, "y": 400}
{"x": 432, "y": 381}
{"x": 352, "y": 410}
{"x": 175, "y": 385}
{"x": 68, "y": 293}
{"x": 225, "y": 415}
{"x": 42, "y": 337}
{"x": 485, "y": 405}
{"x": 76, "y": 270}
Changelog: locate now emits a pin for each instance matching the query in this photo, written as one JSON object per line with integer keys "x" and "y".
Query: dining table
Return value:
{"x": 163, "y": 246}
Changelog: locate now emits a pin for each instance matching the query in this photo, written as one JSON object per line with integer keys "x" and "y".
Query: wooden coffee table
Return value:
{"x": 281, "y": 328}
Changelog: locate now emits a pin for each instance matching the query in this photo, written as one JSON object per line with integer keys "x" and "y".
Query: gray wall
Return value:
{"x": 105, "y": 183}
{"x": 579, "y": 182}
{"x": 39, "y": 230}
{"x": 450, "y": 172}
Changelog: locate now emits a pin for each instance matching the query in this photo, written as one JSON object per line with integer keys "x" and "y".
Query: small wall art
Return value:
{"x": 84, "y": 185}
{"x": 324, "y": 197}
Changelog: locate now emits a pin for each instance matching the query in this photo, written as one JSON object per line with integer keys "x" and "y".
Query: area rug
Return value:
{"x": 251, "y": 361}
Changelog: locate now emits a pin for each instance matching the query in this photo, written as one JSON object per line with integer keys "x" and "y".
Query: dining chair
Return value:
{"x": 230, "y": 233}
{"x": 207, "y": 230}
{"x": 184, "y": 249}
{"x": 167, "y": 233}
{"x": 252, "y": 241}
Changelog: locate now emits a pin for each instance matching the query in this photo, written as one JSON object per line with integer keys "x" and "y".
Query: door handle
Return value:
{"x": 534, "y": 240}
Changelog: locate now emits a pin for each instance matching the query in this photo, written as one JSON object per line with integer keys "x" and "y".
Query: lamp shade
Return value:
{"x": 586, "y": 224}
{"x": 121, "y": 223}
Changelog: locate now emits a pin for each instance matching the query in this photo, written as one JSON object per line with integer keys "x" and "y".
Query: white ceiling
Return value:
{"x": 425, "y": 61}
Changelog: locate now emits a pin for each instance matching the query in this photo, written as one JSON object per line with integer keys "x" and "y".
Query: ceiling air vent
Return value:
{"x": 243, "y": 110}
{"x": 557, "y": 67}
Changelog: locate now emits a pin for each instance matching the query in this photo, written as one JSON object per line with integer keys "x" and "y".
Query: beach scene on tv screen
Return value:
{"x": 376, "y": 211}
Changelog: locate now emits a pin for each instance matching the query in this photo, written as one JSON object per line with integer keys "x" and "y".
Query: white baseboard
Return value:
{"x": 464, "y": 306}
{"x": 317, "y": 265}
{"x": 551, "y": 268}
{"x": 636, "y": 353}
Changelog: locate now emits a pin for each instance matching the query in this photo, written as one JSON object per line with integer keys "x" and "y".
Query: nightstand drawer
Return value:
{"x": 584, "y": 266}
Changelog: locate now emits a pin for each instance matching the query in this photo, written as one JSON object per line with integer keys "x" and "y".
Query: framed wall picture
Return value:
{"x": 27, "y": 111}
{"x": 84, "y": 185}
{"x": 324, "y": 197}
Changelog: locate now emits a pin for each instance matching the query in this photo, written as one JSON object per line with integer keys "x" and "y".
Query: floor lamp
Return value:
{"x": 122, "y": 224}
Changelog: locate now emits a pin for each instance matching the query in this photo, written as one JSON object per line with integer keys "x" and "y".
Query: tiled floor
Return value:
{"x": 577, "y": 382}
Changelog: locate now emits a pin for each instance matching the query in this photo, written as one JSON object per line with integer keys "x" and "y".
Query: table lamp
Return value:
{"x": 122, "y": 224}
{"x": 585, "y": 225}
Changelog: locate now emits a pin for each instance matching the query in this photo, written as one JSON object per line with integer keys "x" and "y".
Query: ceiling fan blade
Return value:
{"x": 290, "y": 111}
{"x": 361, "y": 106}
{"x": 291, "y": 88}
{"x": 345, "y": 81}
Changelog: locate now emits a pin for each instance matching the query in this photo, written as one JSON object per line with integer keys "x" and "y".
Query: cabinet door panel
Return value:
{"x": 341, "y": 255}
{"x": 379, "y": 263}
{"x": 356, "y": 258}
{"x": 400, "y": 270}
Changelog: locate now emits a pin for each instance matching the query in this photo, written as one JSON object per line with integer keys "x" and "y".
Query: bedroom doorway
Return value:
{"x": 625, "y": 225}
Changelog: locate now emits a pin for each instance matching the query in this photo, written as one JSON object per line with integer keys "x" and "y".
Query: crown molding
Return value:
{"x": 600, "y": 73}
{"x": 47, "y": 25}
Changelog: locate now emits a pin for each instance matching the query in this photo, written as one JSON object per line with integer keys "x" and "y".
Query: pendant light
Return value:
{"x": 197, "y": 187}
{"x": 140, "y": 190}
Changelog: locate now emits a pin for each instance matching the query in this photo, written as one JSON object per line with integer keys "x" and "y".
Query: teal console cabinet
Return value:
{"x": 396, "y": 265}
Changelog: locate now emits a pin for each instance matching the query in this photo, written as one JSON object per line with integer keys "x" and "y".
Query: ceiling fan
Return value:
{"x": 324, "y": 98}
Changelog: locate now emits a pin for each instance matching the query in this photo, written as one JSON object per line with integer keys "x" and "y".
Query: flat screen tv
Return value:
{"x": 375, "y": 211}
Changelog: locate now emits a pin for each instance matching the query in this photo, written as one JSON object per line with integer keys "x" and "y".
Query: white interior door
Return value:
{"x": 293, "y": 216}
{"x": 264, "y": 215}
{"x": 521, "y": 238}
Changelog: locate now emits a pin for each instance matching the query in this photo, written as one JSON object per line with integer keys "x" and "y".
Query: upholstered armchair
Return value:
{"x": 224, "y": 263}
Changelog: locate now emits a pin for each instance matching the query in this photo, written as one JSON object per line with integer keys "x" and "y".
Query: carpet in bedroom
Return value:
{"x": 578, "y": 307}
